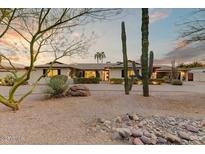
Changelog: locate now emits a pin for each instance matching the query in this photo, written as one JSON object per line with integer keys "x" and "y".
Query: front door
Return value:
{"x": 190, "y": 76}
{"x": 106, "y": 75}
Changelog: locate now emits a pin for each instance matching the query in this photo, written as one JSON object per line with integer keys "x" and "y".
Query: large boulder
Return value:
{"x": 79, "y": 87}
{"x": 78, "y": 91}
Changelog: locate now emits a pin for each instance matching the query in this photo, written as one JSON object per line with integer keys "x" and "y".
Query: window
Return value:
{"x": 52, "y": 72}
{"x": 130, "y": 73}
{"x": 90, "y": 74}
{"x": 122, "y": 74}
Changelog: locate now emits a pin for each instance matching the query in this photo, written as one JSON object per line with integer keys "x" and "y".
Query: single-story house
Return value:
{"x": 89, "y": 70}
{"x": 162, "y": 71}
{"x": 5, "y": 69}
{"x": 197, "y": 74}
{"x": 105, "y": 71}
{"x": 58, "y": 68}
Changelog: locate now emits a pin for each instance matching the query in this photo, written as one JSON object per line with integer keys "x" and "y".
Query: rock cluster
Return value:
{"x": 78, "y": 90}
{"x": 138, "y": 130}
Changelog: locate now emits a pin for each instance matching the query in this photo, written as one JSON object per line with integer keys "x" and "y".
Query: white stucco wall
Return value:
{"x": 198, "y": 74}
{"x": 39, "y": 71}
{"x": 115, "y": 73}
{"x": 4, "y": 74}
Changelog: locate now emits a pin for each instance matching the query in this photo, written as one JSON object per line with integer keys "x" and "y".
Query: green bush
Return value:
{"x": 156, "y": 81}
{"x": 9, "y": 80}
{"x": 86, "y": 80}
{"x": 60, "y": 77}
{"x": 166, "y": 79}
{"x": 116, "y": 80}
{"x": 56, "y": 87}
{"x": 176, "y": 82}
{"x": 136, "y": 81}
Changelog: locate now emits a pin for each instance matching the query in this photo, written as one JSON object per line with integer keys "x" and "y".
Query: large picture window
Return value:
{"x": 90, "y": 74}
{"x": 130, "y": 73}
{"x": 52, "y": 72}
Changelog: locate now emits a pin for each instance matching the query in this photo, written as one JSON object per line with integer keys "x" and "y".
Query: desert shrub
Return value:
{"x": 86, "y": 80}
{"x": 136, "y": 80}
{"x": 176, "y": 82}
{"x": 61, "y": 77}
{"x": 161, "y": 80}
{"x": 156, "y": 81}
{"x": 116, "y": 80}
{"x": 9, "y": 80}
{"x": 166, "y": 79}
{"x": 56, "y": 87}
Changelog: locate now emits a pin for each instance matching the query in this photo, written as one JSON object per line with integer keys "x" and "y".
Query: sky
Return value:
{"x": 163, "y": 38}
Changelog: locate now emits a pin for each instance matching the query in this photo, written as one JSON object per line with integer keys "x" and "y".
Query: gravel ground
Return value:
{"x": 67, "y": 120}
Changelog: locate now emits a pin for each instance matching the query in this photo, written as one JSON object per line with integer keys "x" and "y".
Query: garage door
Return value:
{"x": 202, "y": 77}
{"x": 199, "y": 76}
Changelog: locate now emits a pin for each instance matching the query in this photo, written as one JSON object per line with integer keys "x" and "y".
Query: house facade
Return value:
{"x": 162, "y": 71}
{"x": 105, "y": 71}
{"x": 5, "y": 69}
{"x": 197, "y": 74}
{"x": 58, "y": 68}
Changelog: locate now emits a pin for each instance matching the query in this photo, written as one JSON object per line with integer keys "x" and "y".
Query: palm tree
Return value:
{"x": 97, "y": 56}
{"x": 102, "y": 56}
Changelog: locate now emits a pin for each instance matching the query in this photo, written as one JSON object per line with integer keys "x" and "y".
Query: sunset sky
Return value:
{"x": 163, "y": 38}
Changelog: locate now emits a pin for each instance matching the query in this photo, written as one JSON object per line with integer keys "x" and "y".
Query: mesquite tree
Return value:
{"x": 145, "y": 48}
{"x": 44, "y": 31}
{"x": 193, "y": 28}
{"x": 6, "y": 16}
{"x": 125, "y": 61}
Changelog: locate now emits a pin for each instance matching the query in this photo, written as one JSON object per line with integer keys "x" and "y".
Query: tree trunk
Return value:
{"x": 11, "y": 104}
{"x": 145, "y": 45}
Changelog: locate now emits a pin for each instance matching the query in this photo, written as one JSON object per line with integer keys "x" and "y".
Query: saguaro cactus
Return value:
{"x": 150, "y": 67}
{"x": 146, "y": 70}
{"x": 125, "y": 61}
{"x": 145, "y": 48}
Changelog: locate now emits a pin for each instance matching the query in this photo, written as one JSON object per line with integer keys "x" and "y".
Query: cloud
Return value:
{"x": 6, "y": 43}
{"x": 185, "y": 52}
{"x": 182, "y": 44}
{"x": 158, "y": 14}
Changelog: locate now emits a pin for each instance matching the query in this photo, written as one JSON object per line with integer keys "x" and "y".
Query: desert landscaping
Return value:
{"x": 57, "y": 88}
{"x": 92, "y": 119}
